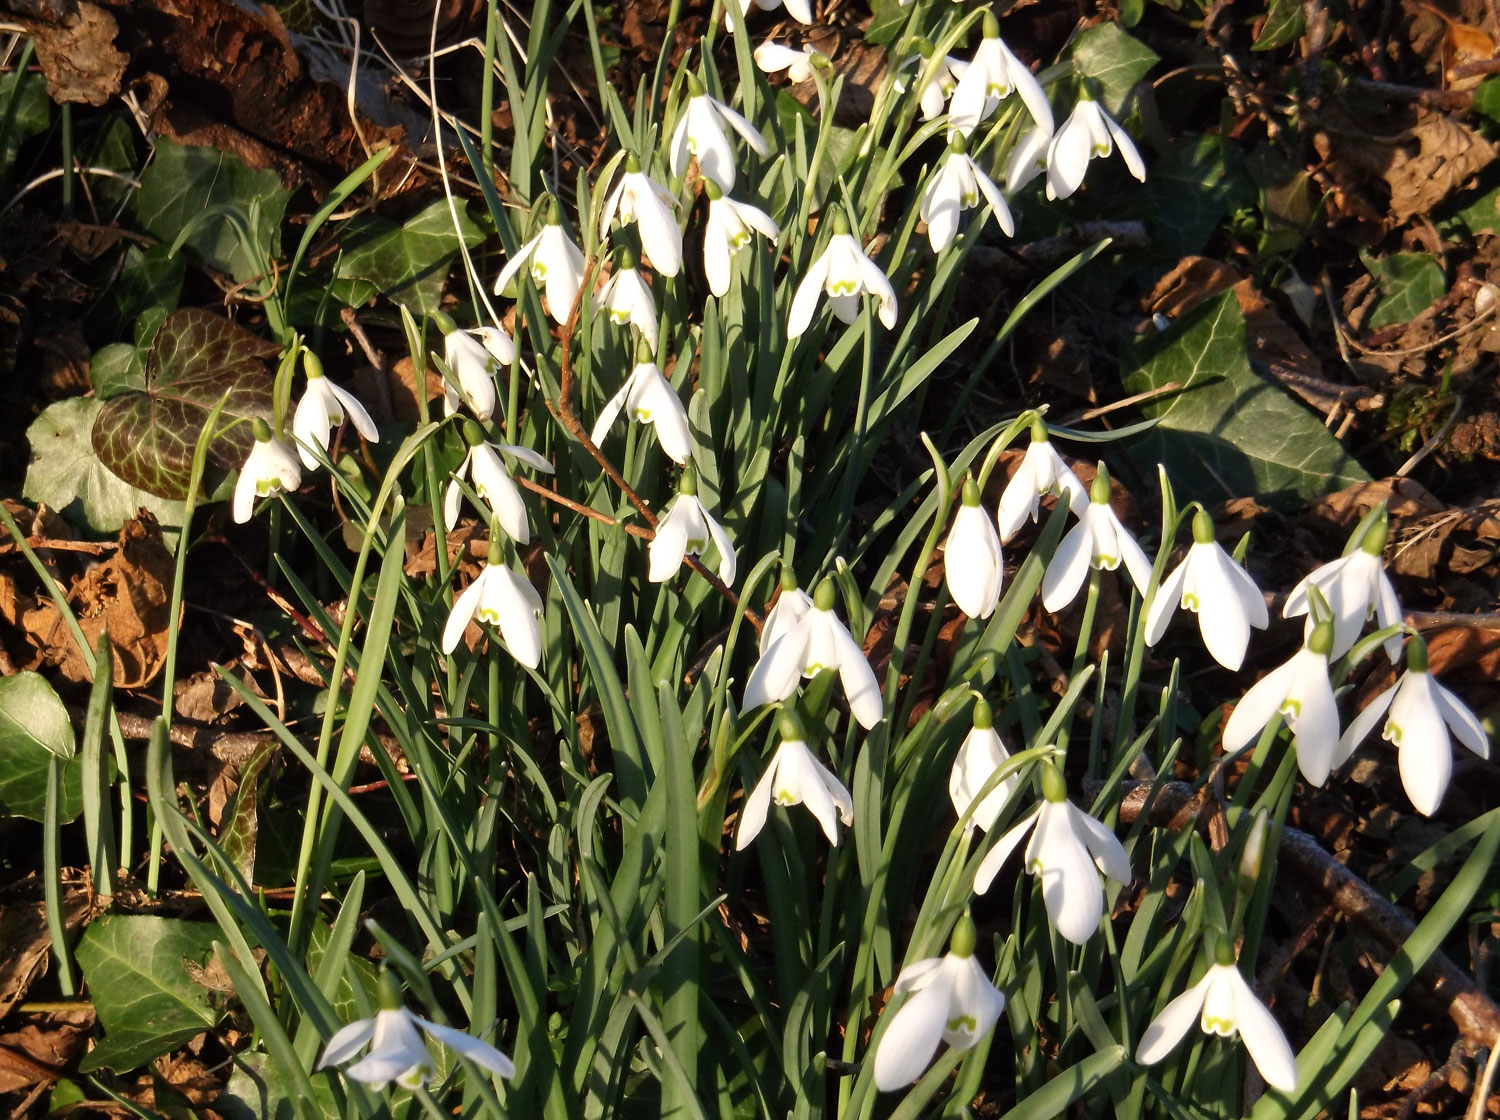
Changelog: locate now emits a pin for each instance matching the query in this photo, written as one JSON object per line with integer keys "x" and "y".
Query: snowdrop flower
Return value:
{"x": 795, "y": 777}
{"x": 397, "y": 1051}
{"x": 979, "y": 756}
{"x": 1029, "y": 159}
{"x": 1300, "y": 691}
{"x": 270, "y": 466}
{"x": 687, "y": 529}
{"x": 625, "y": 298}
{"x": 700, "y": 133}
{"x": 790, "y": 606}
{"x": 799, "y": 10}
{"x": 972, "y": 564}
{"x": 1097, "y": 541}
{"x": 1066, "y": 844}
{"x": 1224, "y": 1005}
{"x": 951, "y": 1000}
{"x": 556, "y": 266}
{"x": 502, "y": 598}
{"x": 1088, "y": 133}
{"x": 473, "y": 357}
{"x": 727, "y": 232}
{"x": 322, "y": 408}
{"x": 955, "y": 187}
{"x": 935, "y": 93}
{"x": 989, "y": 78}
{"x": 816, "y": 641}
{"x": 772, "y": 58}
{"x": 1042, "y": 471}
{"x": 843, "y": 271}
{"x": 1210, "y": 584}
{"x": 640, "y": 199}
{"x": 1356, "y": 587}
{"x": 493, "y": 482}
{"x": 1421, "y": 712}
{"x": 650, "y": 399}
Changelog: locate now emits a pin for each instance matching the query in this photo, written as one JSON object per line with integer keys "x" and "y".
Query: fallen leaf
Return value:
{"x": 78, "y": 56}
{"x": 1448, "y": 155}
{"x": 25, "y": 944}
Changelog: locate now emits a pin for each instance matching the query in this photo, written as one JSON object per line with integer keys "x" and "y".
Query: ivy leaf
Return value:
{"x": 1226, "y": 431}
{"x": 1409, "y": 284}
{"x": 33, "y": 111}
{"x": 889, "y": 19}
{"x": 1115, "y": 59}
{"x": 1284, "y": 24}
{"x": 34, "y": 730}
{"x": 67, "y": 475}
{"x": 184, "y": 182}
{"x": 147, "y": 436}
{"x": 147, "y": 1002}
{"x": 408, "y": 264}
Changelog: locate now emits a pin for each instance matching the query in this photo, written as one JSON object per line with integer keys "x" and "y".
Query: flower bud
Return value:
{"x": 965, "y": 937}
{"x": 1054, "y": 785}
{"x": 260, "y": 429}
{"x": 1416, "y": 655}
{"x": 1203, "y": 527}
{"x": 312, "y": 365}
{"x": 984, "y": 716}
{"x": 1254, "y": 853}
{"x": 1099, "y": 489}
{"x": 825, "y": 595}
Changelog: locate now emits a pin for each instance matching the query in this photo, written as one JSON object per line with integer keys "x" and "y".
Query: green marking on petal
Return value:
{"x": 619, "y": 318}
{"x": 1392, "y": 732}
{"x": 843, "y": 287}
{"x": 785, "y": 797}
{"x": 1291, "y": 707}
{"x": 488, "y": 614}
{"x": 963, "y": 1022}
{"x": 1189, "y": 602}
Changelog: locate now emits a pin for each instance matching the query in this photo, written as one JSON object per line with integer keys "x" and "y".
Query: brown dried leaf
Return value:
{"x": 42, "y": 1047}
{"x": 78, "y": 57}
{"x": 25, "y": 945}
{"x": 1448, "y": 156}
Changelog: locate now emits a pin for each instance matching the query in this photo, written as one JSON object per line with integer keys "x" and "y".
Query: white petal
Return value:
{"x": 1136, "y": 561}
{"x": 397, "y": 1052}
{"x": 979, "y": 756}
{"x": 860, "y": 686}
{"x": 1103, "y": 845}
{"x": 1030, "y": 90}
{"x": 801, "y": 776}
{"x": 1164, "y": 606}
{"x": 1028, "y": 160}
{"x": 747, "y": 131}
{"x": 717, "y": 262}
{"x": 508, "y": 595}
{"x": 995, "y": 858}
{"x": 669, "y": 546}
{"x": 876, "y": 283}
{"x": 1070, "y": 885}
{"x": 611, "y": 206}
{"x": 776, "y": 674}
{"x": 1128, "y": 152}
{"x": 661, "y": 240}
{"x": 940, "y": 209}
{"x": 799, "y": 10}
{"x": 728, "y": 564}
{"x": 973, "y": 1005}
{"x": 1424, "y": 754}
{"x": 1221, "y": 611}
{"x": 1263, "y": 1038}
{"x": 678, "y": 150}
{"x": 790, "y": 607}
{"x": 1315, "y": 727}
{"x": 565, "y": 264}
{"x": 244, "y": 494}
{"x": 1067, "y": 158}
{"x": 757, "y": 805}
{"x": 516, "y": 263}
{"x": 756, "y": 219}
{"x": 654, "y": 395}
{"x": 996, "y": 200}
{"x": 917, "y": 975}
{"x": 909, "y": 1042}
{"x": 972, "y": 562}
{"x": 346, "y": 1042}
{"x": 715, "y": 156}
{"x": 495, "y": 486}
{"x": 311, "y": 422}
{"x": 463, "y": 612}
{"x": 1068, "y": 568}
{"x": 356, "y": 414}
{"x": 805, "y": 302}
{"x": 1466, "y": 726}
{"x": 1362, "y": 724}
{"x": 452, "y": 499}
{"x": 482, "y": 1054}
{"x": 1175, "y": 1020}
{"x": 1258, "y": 706}
{"x": 532, "y": 459}
{"x": 609, "y": 412}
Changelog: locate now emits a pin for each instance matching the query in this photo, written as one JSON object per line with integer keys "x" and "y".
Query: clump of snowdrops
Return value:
{"x": 680, "y": 844}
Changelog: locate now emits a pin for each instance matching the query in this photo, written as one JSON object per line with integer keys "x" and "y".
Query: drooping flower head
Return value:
{"x": 799, "y": 10}
{"x": 493, "y": 483}
{"x": 649, "y": 399}
{"x": 1088, "y": 133}
{"x": 397, "y": 1052}
{"x": 640, "y": 199}
{"x": 772, "y": 58}
{"x": 1042, "y": 472}
{"x": 816, "y": 641}
{"x": 951, "y": 999}
{"x": 1223, "y": 1004}
{"x": 843, "y": 272}
{"x": 972, "y": 564}
{"x": 474, "y": 357}
{"x": 726, "y": 232}
{"x": 556, "y": 266}
{"x": 688, "y": 529}
{"x": 796, "y": 777}
{"x": 992, "y": 75}
{"x": 269, "y": 467}
{"x": 625, "y": 298}
{"x": 1419, "y": 713}
{"x": 1210, "y": 584}
{"x": 954, "y": 187}
{"x": 1301, "y": 692}
{"x": 979, "y": 756}
{"x": 1356, "y": 588}
{"x": 935, "y": 92}
{"x": 1066, "y": 846}
{"x": 1097, "y": 541}
{"x": 504, "y": 599}
{"x": 700, "y": 134}
{"x": 790, "y": 606}
{"x": 322, "y": 408}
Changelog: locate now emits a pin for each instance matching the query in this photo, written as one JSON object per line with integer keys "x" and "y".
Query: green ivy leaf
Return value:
{"x": 1409, "y": 284}
{"x": 1115, "y": 59}
{"x": 408, "y": 264}
{"x": 183, "y": 182}
{"x": 35, "y": 729}
{"x": 1487, "y": 97}
{"x": 67, "y": 475}
{"x": 1194, "y": 187}
{"x": 1284, "y": 24}
{"x": 33, "y": 111}
{"x": 1228, "y": 432}
{"x": 146, "y": 436}
{"x": 146, "y": 1001}
{"x": 259, "y": 1090}
{"x": 148, "y": 280}
{"x": 888, "y": 18}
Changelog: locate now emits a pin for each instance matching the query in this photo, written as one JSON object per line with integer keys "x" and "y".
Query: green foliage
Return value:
{"x": 35, "y": 730}
{"x": 145, "y": 433}
{"x": 1227, "y": 431}
{"x": 25, "y": 110}
{"x": 1284, "y": 24}
{"x": 67, "y": 474}
{"x": 407, "y": 263}
{"x": 1409, "y": 284}
{"x": 1115, "y": 59}
{"x": 147, "y": 1001}
{"x": 226, "y": 212}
